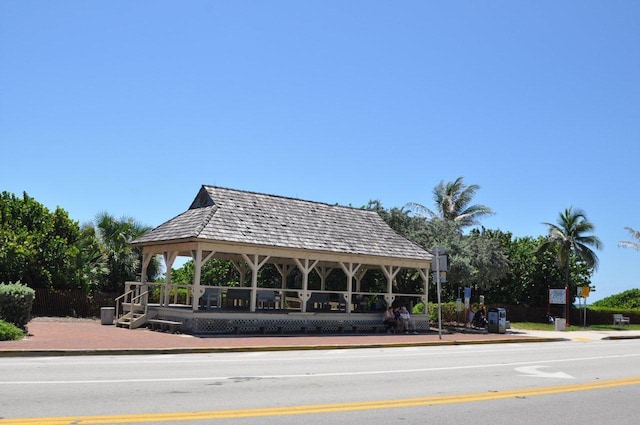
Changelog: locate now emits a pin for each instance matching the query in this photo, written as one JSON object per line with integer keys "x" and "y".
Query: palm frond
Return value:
{"x": 420, "y": 210}
{"x": 628, "y": 244}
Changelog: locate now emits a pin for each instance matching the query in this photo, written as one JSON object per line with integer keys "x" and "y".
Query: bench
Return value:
{"x": 319, "y": 302}
{"x": 209, "y": 295}
{"x": 266, "y": 298}
{"x": 164, "y": 325}
{"x": 238, "y": 297}
{"x": 619, "y": 319}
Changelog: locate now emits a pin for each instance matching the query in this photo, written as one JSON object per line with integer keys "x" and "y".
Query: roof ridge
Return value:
{"x": 251, "y": 192}
{"x": 205, "y": 220}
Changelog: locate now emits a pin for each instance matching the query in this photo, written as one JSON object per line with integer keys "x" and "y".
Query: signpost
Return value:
{"x": 558, "y": 296}
{"x": 467, "y": 305}
{"x": 583, "y": 292}
{"x": 441, "y": 266}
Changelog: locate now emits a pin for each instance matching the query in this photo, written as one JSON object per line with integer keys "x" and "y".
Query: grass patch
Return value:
{"x": 615, "y": 328}
{"x": 550, "y": 327}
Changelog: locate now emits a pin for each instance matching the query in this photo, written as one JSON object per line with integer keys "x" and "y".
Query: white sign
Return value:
{"x": 557, "y": 296}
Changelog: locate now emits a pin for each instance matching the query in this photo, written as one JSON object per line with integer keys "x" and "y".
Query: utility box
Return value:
{"x": 497, "y": 319}
{"x": 107, "y": 314}
{"x": 560, "y": 324}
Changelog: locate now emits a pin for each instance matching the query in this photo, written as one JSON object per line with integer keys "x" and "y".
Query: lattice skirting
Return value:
{"x": 200, "y": 325}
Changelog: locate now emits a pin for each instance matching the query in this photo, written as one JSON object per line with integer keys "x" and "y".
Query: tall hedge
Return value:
{"x": 16, "y": 301}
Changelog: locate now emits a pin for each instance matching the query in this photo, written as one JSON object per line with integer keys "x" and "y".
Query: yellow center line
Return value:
{"x": 320, "y": 408}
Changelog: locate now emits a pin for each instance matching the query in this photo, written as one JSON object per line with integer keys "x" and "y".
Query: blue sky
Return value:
{"x": 129, "y": 107}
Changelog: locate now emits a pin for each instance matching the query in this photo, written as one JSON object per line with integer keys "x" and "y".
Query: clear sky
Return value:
{"x": 130, "y": 106}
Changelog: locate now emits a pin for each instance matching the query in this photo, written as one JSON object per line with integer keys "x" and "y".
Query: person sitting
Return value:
{"x": 479, "y": 319}
{"x": 389, "y": 320}
{"x": 405, "y": 322}
{"x": 396, "y": 314}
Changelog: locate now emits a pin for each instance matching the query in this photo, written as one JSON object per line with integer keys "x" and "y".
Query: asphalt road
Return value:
{"x": 592, "y": 382}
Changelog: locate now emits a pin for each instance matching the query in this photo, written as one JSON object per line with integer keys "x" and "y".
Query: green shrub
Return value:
{"x": 627, "y": 300}
{"x": 449, "y": 313}
{"x": 16, "y": 301}
{"x": 9, "y": 332}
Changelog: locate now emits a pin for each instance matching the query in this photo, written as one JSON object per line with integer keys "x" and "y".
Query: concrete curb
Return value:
{"x": 620, "y": 337}
{"x": 206, "y": 350}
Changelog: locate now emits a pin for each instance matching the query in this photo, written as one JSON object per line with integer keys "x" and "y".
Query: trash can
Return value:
{"x": 107, "y": 314}
{"x": 560, "y": 324}
{"x": 497, "y": 319}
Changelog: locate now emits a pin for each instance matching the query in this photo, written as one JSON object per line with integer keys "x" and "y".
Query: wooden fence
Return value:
{"x": 54, "y": 303}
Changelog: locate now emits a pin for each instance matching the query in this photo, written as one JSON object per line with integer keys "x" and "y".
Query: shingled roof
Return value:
{"x": 226, "y": 215}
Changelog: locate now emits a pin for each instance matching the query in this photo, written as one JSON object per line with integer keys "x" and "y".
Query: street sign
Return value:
{"x": 467, "y": 292}
{"x": 557, "y": 296}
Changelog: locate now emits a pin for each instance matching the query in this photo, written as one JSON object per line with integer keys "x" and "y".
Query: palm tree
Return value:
{"x": 123, "y": 261}
{"x": 92, "y": 259}
{"x": 636, "y": 236}
{"x": 452, "y": 201}
{"x": 569, "y": 238}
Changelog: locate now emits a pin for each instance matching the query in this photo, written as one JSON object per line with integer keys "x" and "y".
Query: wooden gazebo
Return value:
{"x": 253, "y": 229}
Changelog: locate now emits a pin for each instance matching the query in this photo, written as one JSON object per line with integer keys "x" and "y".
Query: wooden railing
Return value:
{"x": 288, "y": 298}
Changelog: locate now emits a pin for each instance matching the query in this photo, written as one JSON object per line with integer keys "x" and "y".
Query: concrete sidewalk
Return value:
{"x": 62, "y": 337}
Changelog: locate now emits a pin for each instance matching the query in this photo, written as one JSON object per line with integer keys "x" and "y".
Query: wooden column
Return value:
{"x": 169, "y": 258}
{"x": 359, "y": 275}
{"x": 146, "y": 259}
{"x": 284, "y": 270}
{"x": 197, "y": 268}
{"x": 424, "y": 274}
{"x": 255, "y": 264}
{"x": 390, "y": 272}
{"x": 305, "y": 267}
{"x": 198, "y": 261}
{"x": 350, "y": 269}
{"x": 323, "y": 272}
{"x": 242, "y": 269}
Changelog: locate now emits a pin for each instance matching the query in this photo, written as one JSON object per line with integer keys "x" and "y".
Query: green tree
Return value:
{"x": 399, "y": 219}
{"x": 487, "y": 258}
{"x": 452, "y": 201}
{"x": 568, "y": 238}
{"x": 37, "y": 246}
{"x": 627, "y": 244}
{"x": 412, "y": 228}
{"x": 531, "y": 272}
{"x": 122, "y": 260}
{"x": 476, "y": 260}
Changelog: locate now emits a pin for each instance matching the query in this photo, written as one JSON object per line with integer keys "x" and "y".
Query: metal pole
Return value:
{"x": 585, "y": 294}
{"x": 439, "y": 290}
{"x": 568, "y": 310}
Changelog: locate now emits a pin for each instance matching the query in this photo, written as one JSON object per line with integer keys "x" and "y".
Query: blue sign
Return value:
{"x": 467, "y": 292}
